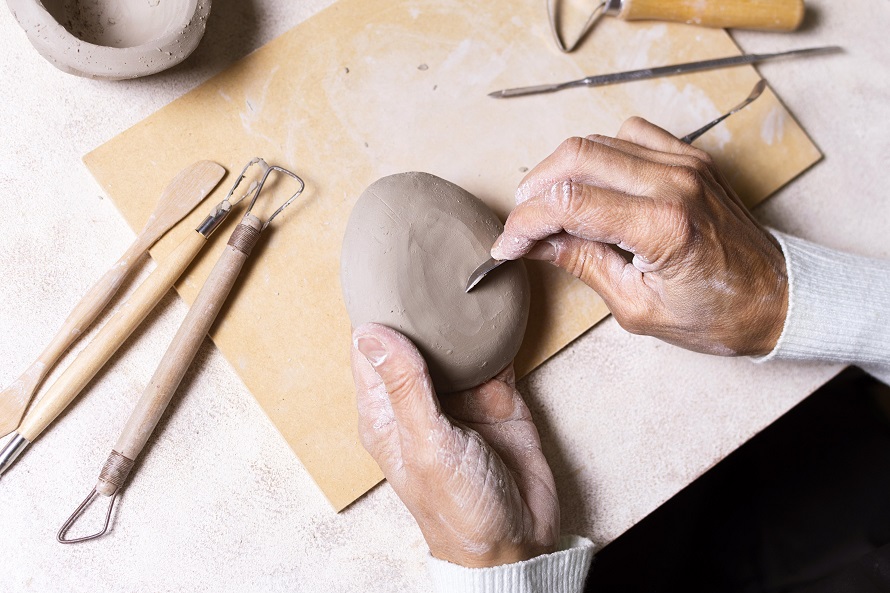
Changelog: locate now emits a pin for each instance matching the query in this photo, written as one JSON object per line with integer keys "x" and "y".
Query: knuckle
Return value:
{"x": 568, "y": 199}
{"x": 401, "y": 382}
{"x": 575, "y": 262}
{"x": 598, "y": 138}
{"x": 571, "y": 149}
{"x": 634, "y": 123}
{"x": 700, "y": 166}
{"x": 677, "y": 219}
{"x": 686, "y": 184}
{"x": 687, "y": 179}
{"x": 703, "y": 157}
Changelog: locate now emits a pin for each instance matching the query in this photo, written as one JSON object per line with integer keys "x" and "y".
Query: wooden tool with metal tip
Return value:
{"x": 492, "y": 264}
{"x": 178, "y": 358}
{"x": 179, "y": 198}
{"x": 115, "y": 332}
{"x": 764, "y": 15}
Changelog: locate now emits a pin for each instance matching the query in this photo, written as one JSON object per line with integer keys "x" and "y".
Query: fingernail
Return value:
{"x": 496, "y": 249}
{"x": 372, "y": 349}
{"x": 544, "y": 251}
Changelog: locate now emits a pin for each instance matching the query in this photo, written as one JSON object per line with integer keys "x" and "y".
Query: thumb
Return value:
{"x": 596, "y": 264}
{"x": 403, "y": 372}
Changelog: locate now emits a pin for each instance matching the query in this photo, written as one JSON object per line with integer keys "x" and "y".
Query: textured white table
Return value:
{"x": 219, "y": 502}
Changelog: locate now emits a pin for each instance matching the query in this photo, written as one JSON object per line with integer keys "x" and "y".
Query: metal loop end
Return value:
{"x": 553, "y": 16}
{"x": 257, "y": 188}
{"x": 60, "y": 537}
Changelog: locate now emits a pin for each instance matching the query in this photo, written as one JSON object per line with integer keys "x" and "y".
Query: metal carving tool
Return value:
{"x": 492, "y": 264}
{"x": 755, "y": 92}
{"x": 647, "y": 73}
{"x": 113, "y": 334}
{"x": 770, "y": 15}
{"x": 178, "y": 358}
{"x": 180, "y": 197}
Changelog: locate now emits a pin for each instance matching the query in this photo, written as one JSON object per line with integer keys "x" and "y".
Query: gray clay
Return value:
{"x": 411, "y": 242}
{"x": 113, "y": 39}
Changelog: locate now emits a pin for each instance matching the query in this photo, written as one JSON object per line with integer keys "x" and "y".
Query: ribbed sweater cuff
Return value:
{"x": 563, "y": 571}
{"x": 838, "y": 307}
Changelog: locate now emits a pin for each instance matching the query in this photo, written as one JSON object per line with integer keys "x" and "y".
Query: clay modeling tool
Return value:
{"x": 755, "y": 92}
{"x": 178, "y": 358}
{"x": 492, "y": 264}
{"x": 765, "y": 15}
{"x": 647, "y": 73}
{"x": 180, "y": 197}
{"x": 127, "y": 318}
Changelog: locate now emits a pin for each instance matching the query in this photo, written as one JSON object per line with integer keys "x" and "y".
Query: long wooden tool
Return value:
{"x": 180, "y": 197}
{"x": 764, "y": 15}
{"x": 115, "y": 332}
{"x": 177, "y": 359}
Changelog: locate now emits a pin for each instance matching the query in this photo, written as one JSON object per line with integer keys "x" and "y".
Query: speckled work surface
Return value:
{"x": 219, "y": 502}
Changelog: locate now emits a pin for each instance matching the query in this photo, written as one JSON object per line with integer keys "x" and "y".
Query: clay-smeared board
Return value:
{"x": 368, "y": 88}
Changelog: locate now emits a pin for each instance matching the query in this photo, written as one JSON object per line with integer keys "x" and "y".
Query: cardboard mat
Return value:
{"x": 369, "y": 88}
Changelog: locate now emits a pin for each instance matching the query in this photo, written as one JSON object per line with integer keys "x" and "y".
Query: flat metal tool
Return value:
{"x": 647, "y": 73}
{"x": 492, "y": 264}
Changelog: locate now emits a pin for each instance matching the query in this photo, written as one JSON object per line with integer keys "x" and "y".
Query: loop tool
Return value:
{"x": 182, "y": 350}
{"x": 116, "y": 330}
{"x": 492, "y": 264}
{"x": 763, "y": 15}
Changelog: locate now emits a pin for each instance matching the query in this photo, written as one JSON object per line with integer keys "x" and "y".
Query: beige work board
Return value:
{"x": 368, "y": 88}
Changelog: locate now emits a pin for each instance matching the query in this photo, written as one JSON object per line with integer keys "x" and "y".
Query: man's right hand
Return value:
{"x": 704, "y": 274}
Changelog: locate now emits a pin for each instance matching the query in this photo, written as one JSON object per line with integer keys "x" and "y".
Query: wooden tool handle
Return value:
{"x": 110, "y": 337}
{"x": 188, "y": 339}
{"x": 772, "y": 15}
{"x": 86, "y": 311}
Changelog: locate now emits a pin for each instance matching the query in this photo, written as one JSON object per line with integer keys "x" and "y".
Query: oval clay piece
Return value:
{"x": 411, "y": 242}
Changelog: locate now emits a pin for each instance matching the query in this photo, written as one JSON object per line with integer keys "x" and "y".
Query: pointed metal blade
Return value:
{"x": 648, "y": 73}
{"x": 482, "y": 271}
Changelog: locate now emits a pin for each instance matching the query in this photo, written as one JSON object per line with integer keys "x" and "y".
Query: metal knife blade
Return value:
{"x": 647, "y": 73}
{"x": 482, "y": 271}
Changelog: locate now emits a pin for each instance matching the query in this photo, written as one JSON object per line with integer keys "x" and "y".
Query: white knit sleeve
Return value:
{"x": 563, "y": 571}
{"x": 838, "y": 308}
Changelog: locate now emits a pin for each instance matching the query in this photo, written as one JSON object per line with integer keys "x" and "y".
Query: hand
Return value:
{"x": 704, "y": 274}
{"x": 471, "y": 471}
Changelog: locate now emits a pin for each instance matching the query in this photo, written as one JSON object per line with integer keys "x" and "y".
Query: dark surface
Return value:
{"x": 803, "y": 507}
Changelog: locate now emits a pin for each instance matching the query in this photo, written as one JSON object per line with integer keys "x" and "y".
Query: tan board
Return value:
{"x": 368, "y": 88}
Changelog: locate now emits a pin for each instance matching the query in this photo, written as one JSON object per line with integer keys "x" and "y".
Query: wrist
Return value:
{"x": 772, "y": 310}
{"x": 487, "y": 556}
{"x": 563, "y": 570}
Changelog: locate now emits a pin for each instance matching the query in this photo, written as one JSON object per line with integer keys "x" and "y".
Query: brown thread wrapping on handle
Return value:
{"x": 116, "y": 469}
{"x": 243, "y": 238}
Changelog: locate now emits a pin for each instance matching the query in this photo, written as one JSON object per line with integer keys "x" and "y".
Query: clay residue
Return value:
{"x": 772, "y": 129}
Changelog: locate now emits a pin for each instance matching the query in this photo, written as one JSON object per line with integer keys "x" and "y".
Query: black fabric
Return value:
{"x": 805, "y": 504}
